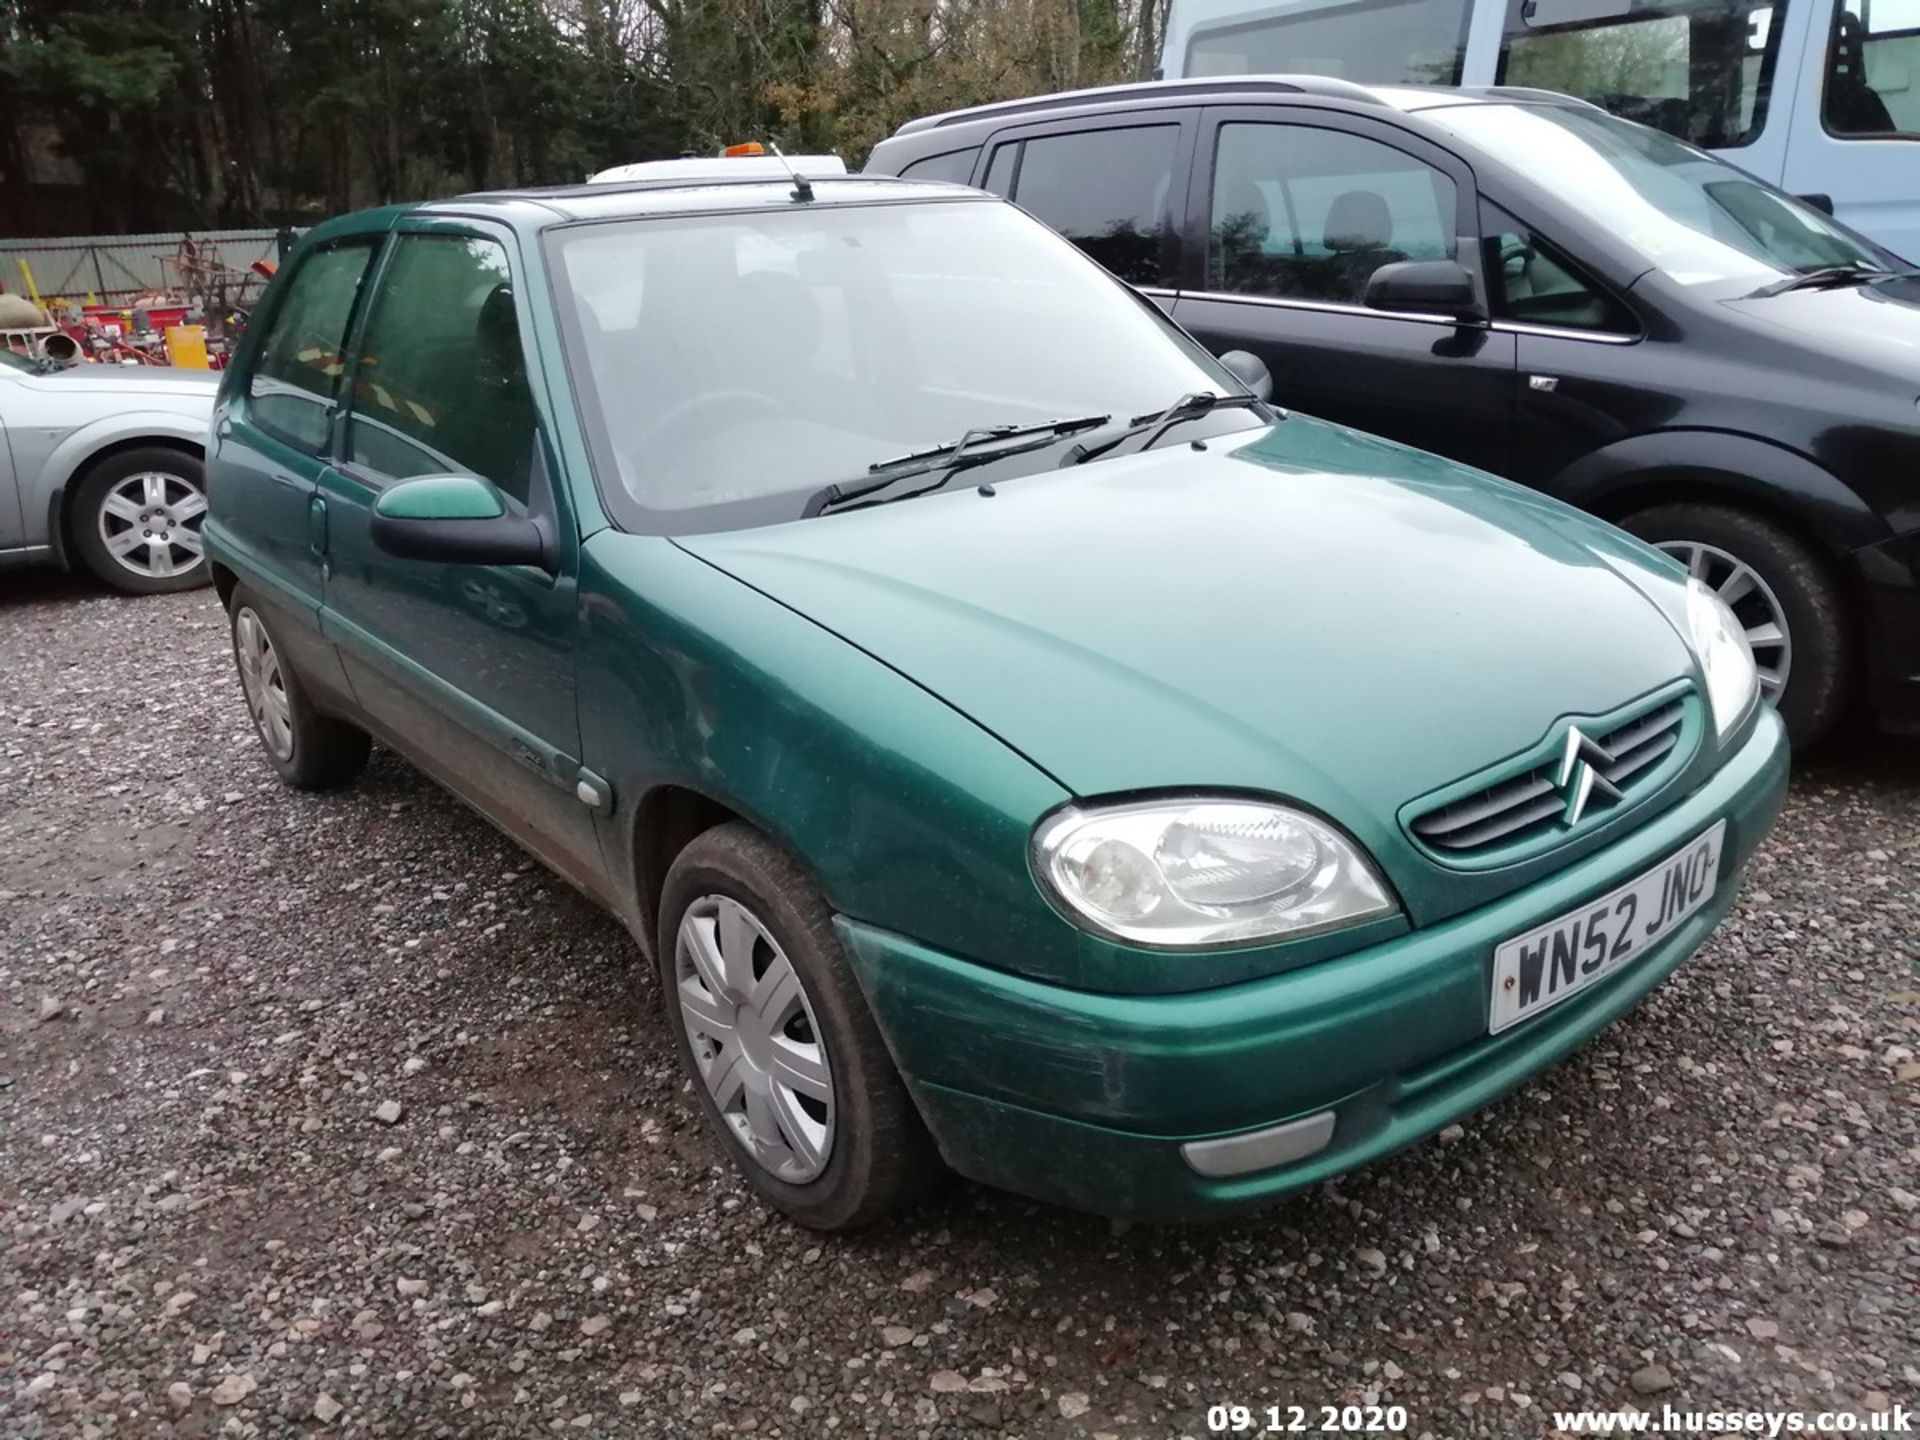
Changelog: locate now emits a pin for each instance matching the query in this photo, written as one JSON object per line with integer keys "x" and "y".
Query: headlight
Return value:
{"x": 1179, "y": 874}
{"x": 1720, "y": 643}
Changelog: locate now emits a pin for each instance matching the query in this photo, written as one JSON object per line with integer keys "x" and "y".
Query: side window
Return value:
{"x": 1105, "y": 190}
{"x": 298, "y": 373}
{"x": 1309, "y": 214}
{"x": 1872, "y": 56}
{"x": 955, "y": 166}
{"x": 1701, "y": 72}
{"x": 441, "y": 384}
{"x": 1532, "y": 284}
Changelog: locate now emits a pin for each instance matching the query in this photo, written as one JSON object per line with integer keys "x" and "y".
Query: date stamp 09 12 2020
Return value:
{"x": 1307, "y": 1419}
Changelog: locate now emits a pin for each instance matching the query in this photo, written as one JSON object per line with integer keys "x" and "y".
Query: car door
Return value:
{"x": 1288, "y": 219}
{"x": 1856, "y": 134}
{"x": 270, "y": 443}
{"x": 1584, "y": 374}
{"x": 12, "y": 519}
{"x": 1113, "y": 185}
{"x": 469, "y": 668}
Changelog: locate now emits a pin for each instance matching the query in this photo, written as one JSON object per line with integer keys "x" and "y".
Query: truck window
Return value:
{"x": 1428, "y": 42}
{"x": 1699, "y": 71}
{"x": 1871, "y": 57}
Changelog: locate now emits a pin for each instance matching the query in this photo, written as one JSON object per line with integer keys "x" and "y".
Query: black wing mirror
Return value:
{"x": 455, "y": 519}
{"x": 1250, "y": 370}
{"x": 1425, "y": 287}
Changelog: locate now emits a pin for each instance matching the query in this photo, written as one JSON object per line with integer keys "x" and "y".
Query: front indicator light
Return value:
{"x": 1195, "y": 873}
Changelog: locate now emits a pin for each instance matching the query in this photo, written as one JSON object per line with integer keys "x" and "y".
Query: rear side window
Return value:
{"x": 1105, "y": 190}
{"x": 441, "y": 384}
{"x": 1701, "y": 72}
{"x": 1310, "y": 214}
{"x": 955, "y": 166}
{"x": 298, "y": 373}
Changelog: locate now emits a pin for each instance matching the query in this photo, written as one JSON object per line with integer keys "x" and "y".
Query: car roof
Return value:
{"x": 541, "y": 207}
{"x": 1281, "y": 89}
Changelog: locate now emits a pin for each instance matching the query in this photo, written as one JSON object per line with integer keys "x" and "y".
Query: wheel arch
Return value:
{"x": 1717, "y": 467}
{"x": 667, "y": 818}
{"x": 60, "y": 503}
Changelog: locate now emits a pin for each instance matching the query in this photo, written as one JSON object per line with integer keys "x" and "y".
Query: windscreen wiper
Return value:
{"x": 949, "y": 459}
{"x": 1851, "y": 273}
{"x": 1187, "y": 407}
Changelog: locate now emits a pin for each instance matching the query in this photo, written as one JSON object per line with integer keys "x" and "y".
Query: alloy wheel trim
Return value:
{"x": 264, "y": 683}
{"x": 150, "y": 524}
{"x": 755, "y": 1041}
{"x": 1754, "y": 605}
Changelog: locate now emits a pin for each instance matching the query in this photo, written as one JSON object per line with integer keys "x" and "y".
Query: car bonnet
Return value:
{"x": 1301, "y": 610}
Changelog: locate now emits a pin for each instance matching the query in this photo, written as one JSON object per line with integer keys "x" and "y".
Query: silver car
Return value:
{"x": 101, "y": 466}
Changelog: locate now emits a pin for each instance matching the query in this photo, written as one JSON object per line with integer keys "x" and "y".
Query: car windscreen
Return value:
{"x": 9, "y": 360}
{"x": 1695, "y": 218}
{"x": 731, "y": 365}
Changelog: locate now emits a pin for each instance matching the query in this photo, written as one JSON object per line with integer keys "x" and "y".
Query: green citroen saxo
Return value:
{"x": 1022, "y": 747}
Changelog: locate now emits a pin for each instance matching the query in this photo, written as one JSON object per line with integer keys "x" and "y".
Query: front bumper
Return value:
{"x": 1086, "y": 1099}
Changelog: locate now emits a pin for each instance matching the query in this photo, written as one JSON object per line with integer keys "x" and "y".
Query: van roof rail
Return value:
{"x": 1151, "y": 89}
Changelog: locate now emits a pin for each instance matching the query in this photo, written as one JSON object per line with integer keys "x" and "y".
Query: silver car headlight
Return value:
{"x": 1188, "y": 873}
{"x": 1719, "y": 642}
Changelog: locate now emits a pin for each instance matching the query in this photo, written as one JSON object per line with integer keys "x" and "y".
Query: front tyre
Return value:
{"x": 788, "y": 1065}
{"x": 310, "y": 751}
{"x": 1782, "y": 595}
{"x": 137, "y": 518}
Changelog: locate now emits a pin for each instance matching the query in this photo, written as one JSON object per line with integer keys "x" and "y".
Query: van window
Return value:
{"x": 300, "y": 365}
{"x": 1427, "y": 46}
{"x": 1105, "y": 190}
{"x": 1305, "y": 213}
{"x": 1700, "y": 71}
{"x": 1871, "y": 58}
{"x": 441, "y": 380}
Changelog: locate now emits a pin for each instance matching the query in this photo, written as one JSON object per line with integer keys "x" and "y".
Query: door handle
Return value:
{"x": 317, "y": 525}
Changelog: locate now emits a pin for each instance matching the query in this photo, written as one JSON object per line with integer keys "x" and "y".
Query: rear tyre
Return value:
{"x": 1783, "y": 595}
{"x": 137, "y": 518}
{"x": 789, "y": 1067}
{"x": 310, "y": 751}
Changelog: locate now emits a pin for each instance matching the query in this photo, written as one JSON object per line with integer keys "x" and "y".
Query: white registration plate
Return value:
{"x": 1539, "y": 969}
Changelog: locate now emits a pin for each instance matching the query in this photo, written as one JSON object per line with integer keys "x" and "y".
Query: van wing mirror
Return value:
{"x": 1426, "y": 287}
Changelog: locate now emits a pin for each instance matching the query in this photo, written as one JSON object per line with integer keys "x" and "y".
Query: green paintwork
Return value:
{"x": 440, "y": 497}
{"x": 900, "y": 694}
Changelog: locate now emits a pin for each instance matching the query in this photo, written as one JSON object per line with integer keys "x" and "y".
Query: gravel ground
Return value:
{"x": 338, "y": 1114}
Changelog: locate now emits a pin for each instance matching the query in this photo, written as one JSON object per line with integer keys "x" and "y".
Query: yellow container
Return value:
{"x": 187, "y": 347}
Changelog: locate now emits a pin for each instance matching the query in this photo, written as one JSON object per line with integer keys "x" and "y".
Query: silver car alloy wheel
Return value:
{"x": 1753, "y": 603}
{"x": 265, "y": 685}
{"x": 150, "y": 524}
{"x": 754, "y": 1039}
